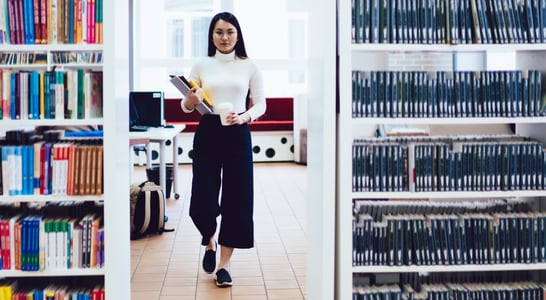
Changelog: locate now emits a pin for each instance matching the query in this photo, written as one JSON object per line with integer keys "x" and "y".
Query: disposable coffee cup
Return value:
{"x": 224, "y": 109}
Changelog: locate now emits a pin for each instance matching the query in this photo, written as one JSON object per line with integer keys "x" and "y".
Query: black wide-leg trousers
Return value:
{"x": 222, "y": 183}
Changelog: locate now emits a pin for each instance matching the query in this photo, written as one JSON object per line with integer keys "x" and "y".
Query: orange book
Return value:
{"x": 78, "y": 21}
{"x": 88, "y": 158}
{"x": 71, "y": 169}
{"x": 98, "y": 21}
{"x": 94, "y": 242}
{"x": 17, "y": 244}
{"x": 100, "y": 163}
{"x": 77, "y": 170}
{"x": 92, "y": 169}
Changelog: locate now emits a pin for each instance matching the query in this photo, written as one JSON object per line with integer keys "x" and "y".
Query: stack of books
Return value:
{"x": 184, "y": 85}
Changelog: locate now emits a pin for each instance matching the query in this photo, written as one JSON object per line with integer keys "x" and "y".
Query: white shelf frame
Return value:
{"x": 449, "y": 194}
{"x": 54, "y": 273}
{"x": 50, "y": 198}
{"x": 450, "y": 268}
{"x": 448, "y": 121}
{"x": 33, "y": 48}
{"x": 51, "y": 122}
{"x": 459, "y": 48}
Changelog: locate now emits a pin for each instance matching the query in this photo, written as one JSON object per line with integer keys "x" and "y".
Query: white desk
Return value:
{"x": 160, "y": 135}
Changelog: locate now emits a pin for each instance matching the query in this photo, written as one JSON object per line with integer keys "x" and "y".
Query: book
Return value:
{"x": 183, "y": 85}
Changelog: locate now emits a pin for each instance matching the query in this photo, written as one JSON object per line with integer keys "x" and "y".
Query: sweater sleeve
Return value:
{"x": 257, "y": 95}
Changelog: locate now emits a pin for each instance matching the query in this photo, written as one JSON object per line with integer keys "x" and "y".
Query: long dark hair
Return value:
{"x": 240, "y": 50}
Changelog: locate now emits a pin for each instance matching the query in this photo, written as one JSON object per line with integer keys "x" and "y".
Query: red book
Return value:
{"x": 42, "y": 170}
{"x": 12, "y": 21}
{"x": 4, "y": 244}
{"x": 43, "y": 22}
{"x": 20, "y": 22}
{"x": 6, "y": 258}
{"x": 37, "y": 9}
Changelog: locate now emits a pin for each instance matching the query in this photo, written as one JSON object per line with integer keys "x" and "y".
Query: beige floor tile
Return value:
{"x": 249, "y": 297}
{"x": 282, "y": 267}
{"x": 180, "y": 281}
{"x": 247, "y": 290}
{"x": 153, "y": 269}
{"x": 177, "y": 297}
{"x": 149, "y": 286}
{"x": 281, "y": 284}
{"x": 279, "y": 275}
{"x": 212, "y": 295}
{"x": 143, "y": 277}
{"x": 178, "y": 291}
{"x": 284, "y": 294}
{"x": 144, "y": 295}
{"x": 256, "y": 280}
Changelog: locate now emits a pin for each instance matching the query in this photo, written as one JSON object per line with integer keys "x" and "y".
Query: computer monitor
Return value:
{"x": 133, "y": 113}
{"x": 146, "y": 108}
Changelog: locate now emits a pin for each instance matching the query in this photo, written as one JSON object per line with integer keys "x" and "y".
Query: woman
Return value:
{"x": 222, "y": 155}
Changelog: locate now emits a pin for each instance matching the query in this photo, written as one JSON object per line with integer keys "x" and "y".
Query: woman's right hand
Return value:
{"x": 193, "y": 98}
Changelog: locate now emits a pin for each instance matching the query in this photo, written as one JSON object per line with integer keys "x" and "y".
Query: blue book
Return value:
{"x": 30, "y": 169}
{"x": 47, "y": 167}
{"x": 35, "y": 258}
{"x": 47, "y": 96}
{"x": 71, "y": 19}
{"x": 543, "y": 21}
{"x": 32, "y": 245}
{"x": 28, "y": 16}
{"x": 13, "y": 91}
{"x": 34, "y": 95}
{"x": 32, "y": 35}
{"x": 24, "y": 169}
{"x": 25, "y": 240}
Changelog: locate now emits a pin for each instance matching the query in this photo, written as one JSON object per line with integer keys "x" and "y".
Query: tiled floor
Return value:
{"x": 167, "y": 266}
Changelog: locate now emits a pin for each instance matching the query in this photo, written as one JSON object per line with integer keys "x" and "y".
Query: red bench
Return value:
{"x": 278, "y": 116}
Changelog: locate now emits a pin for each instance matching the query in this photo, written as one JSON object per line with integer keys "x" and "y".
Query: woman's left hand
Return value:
{"x": 236, "y": 119}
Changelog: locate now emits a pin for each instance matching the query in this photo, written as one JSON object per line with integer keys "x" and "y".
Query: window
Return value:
{"x": 171, "y": 35}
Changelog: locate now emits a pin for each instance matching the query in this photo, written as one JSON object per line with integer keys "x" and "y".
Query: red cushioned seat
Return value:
{"x": 279, "y": 115}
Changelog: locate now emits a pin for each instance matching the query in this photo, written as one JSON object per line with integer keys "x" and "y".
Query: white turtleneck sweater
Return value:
{"x": 227, "y": 78}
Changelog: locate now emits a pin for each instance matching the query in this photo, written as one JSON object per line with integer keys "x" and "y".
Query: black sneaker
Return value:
{"x": 209, "y": 261}
{"x": 223, "y": 279}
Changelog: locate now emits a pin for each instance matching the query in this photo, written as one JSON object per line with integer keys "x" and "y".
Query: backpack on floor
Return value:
{"x": 147, "y": 210}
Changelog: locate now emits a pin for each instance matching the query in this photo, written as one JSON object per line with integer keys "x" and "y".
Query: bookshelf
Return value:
{"x": 463, "y": 56}
{"x": 109, "y": 58}
{"x": 49, "y": 56}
